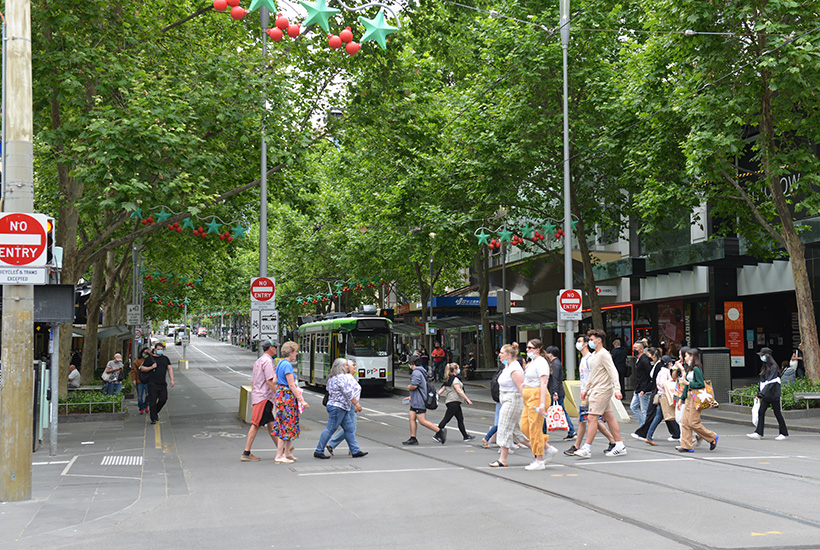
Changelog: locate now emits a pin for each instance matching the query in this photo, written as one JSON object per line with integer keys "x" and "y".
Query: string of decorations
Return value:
{"x": 341, "y": 287}
{"x": 160, "y": 277}
{"x": 173, "y": 302}
{"x": 213, "y": 226}
{"x": 518, "y": 236}
{"x": 318, "y": 13}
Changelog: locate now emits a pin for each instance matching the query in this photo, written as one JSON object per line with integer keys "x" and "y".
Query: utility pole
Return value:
{"x": 17, "y": 382}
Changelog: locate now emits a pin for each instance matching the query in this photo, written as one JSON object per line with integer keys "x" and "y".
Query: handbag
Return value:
{"x": 325, "y": 399}
{"x": 106, "y": 376}
{"x": 656, "y": 399}
{"x": 556, "y": 418}
{"x": 755, "y": 410}
{"x": 705, "y": 397}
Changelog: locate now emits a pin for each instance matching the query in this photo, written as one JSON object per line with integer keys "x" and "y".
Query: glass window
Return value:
{"x": 369, "y": 344}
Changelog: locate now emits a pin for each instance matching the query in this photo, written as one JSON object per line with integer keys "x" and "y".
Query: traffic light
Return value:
{"x": 50, "y": 241}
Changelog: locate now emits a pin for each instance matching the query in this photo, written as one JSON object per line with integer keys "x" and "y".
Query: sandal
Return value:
{"x": 293, "y": 458}
{"x": 497, "y": 464}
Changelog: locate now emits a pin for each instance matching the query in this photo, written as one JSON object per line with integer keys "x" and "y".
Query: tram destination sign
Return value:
{"x": 23, "y": 239}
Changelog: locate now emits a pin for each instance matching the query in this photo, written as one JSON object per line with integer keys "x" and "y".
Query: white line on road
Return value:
{"x": 214, "y": 359}
{"x": 347, "y": 472}
{"x": 70, "y": 464}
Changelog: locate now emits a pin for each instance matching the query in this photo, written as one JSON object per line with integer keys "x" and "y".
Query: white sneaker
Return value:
{"x": 617, "y": 451}
{"x": 754, "y": 435}
{"x": 781, "y": 437}
{"x": 583, "y": 452}
{"x": 671, "y": 439}
{"x": 549, "y": 453}
{"x": 636, "y": 436}
{"x": 536, "y": 465}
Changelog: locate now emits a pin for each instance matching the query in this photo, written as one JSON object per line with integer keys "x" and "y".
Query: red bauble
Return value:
{"x": 159, "y": 302}
{"x": 233, "y": 3}
{"x": 179, "y": 230}
{"x": 150, "y": 299}
{"x": 229, "y": 238}
{"x": 222, "y": 236}
{"x": 282, "y": 22}
{"x": 293, "y": 30}
{"x": 171, "y": 228}
{"x": 220, "y": 5}
{"x": 238, "y": 13}
{"x": 201, "y": 229}
{"x": 275, "y": 34}
{"x": 346, "y": 35}
{"x": 145, "y": 222}
{"x": 150, "y": 219}
{"x": 203, "y": 234}
{"x": 334, "y": 41}
{"x": 352, "y": 48}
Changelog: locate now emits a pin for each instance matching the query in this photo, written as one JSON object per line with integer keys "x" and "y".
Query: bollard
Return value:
{"x": 182, "y": 364}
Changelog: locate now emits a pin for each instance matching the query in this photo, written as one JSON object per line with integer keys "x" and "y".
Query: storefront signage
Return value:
{"x": 733, "y": 327}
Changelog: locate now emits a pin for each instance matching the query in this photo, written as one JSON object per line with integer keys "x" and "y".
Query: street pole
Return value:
{"x": 135, "y": 298}
{"x": 569, "y": 346}
{"x": 430, "y": 338}
{"x": 504, "y": 292}
{"x": 17, "y": 383}
{"x": 185, "y": 336}
{"x": 264, "y": 17}
{"x": 54, "y": 344}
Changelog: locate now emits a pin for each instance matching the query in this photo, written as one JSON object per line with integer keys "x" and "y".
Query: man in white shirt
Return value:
{"x": 73, "y": 377}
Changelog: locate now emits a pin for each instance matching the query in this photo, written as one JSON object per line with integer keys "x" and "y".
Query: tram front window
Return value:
{"x": 372, "y": 344}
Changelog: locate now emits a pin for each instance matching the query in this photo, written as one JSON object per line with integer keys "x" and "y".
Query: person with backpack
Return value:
{"x": 769, "y": 395}
{"x": 454, "y": 396}
{"x": 418, "y": 406}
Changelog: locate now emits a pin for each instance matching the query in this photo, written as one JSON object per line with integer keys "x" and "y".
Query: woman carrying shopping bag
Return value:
{"x": 769, "y": 395}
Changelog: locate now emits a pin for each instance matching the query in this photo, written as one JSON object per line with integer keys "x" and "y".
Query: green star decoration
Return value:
{"x": 213, "y": 227}
{"x": 136, "y": 213}
{"x": 377, "y": 29}
{"x": 483, "y": 238}
{"x": 188, "y": 224}
{"x": 239, "y": 231}
{"x": 162, "y": 216}
{"x": 549, "y": 228}
{"x": 318, "y": 13}
{"x": 572, "y": 224}
{"x": 527, "y": 232}
{"x": 256, "y": 4}
{"x": 505, "y": 235}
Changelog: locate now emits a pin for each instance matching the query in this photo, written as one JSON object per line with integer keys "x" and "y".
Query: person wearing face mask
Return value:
{"x": 556, "y": 386}
{"x": 160, "y": 367}
{"x": 643, "y": 383}
{"x": 581, "y": 344}
{"x": 142, "y": 387}
{"x": 535, "y": 392}
{"x": 769, "y": 394}
{"x": 454, "y": 396}
{"x": 691, "y": 415}
{"x": 510, "y": 387}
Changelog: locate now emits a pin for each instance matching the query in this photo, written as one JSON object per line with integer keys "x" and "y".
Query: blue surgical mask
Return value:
{"x": 592, "y": 345}
{"x": 458, "y": 371}
{"x": 505, "y": 361}
{"x": 763, "y": 358}
{"x": 159, "y": 352}
{"x": 531, "y": 355}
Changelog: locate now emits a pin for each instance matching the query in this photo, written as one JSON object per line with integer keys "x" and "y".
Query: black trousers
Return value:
{"x": 651, "y": 411}
{"x": 454, "y": 409}
{"x": 157, "y": 397}
{"x": 761, "y": 416}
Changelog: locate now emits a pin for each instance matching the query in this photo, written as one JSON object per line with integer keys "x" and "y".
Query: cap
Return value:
{"x": 268, "y": 343}
{"x": 667, "y": 359}
{"x": 764, "y": 351}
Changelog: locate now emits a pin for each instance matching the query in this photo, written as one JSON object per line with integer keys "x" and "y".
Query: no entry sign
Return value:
{"x": 262, "y": 290}
{"x": 23, "y": 239}
{"x": 569, "y": 305}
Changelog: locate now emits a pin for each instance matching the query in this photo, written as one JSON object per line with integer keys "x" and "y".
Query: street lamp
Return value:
{"x": 569, "y": 361}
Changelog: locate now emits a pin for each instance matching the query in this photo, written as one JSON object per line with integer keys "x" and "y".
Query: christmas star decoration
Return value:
{"x": 239, "y": 231}
{"x": 377, "y": 29}
{"x": 527, "y": 232}
{"x": 505, "y": 235}
{"x": 198, "y": 280}
{"x": 213, "y": 227}
{"x": 136, "y": 213}
{"x": 548, "y": 228}
{"x": 573, "y": 223}
{"x": 318, "y": 13}
{"x": 256, "y": 4}
{"x": 188, "y": 224}
{"x": 162, "y": 216}
{"x": 483, "y": 238}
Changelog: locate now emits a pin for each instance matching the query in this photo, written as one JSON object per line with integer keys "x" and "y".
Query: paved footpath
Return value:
{"x": 127, "y": 484}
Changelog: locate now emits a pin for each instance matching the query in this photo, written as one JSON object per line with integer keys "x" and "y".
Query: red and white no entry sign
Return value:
{"x": 262, "y": 289}
{"x": 23, "y": 239}
{"x": 569, "y": 305}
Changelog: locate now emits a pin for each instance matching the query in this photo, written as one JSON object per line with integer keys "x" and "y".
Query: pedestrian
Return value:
{"x": 470, "y": 367}
{"x": 263, "y": 388}
{"x": 142, "y": 387}
{"x": 769, "y": 394}
{"x": 343, "y": 396}
{"x": 439, "y": 357}
{"x": 653, "y": 411}
{"x": 797, "y": 361}
{"x": 495, "y": 394}
{"x": 287, "y": 400}
{"x": 556, "y": 387}
{"x": 159, "y": 367}
{"x": 74, "y": 378}
{"x": 691, "y": 415}
{"x": 643, "y": 383}
{"x": 510, "y": 384}
{"x": 666, "y": 404}
{"x": 619, "y": 358}
{"x": 535, "y": 393}
{"x": 423, "y": 358}
{"x": 601, "y": 386}
{"x": 418, "y": 406}
{"x": 454, "y": 396}
{"x": 336, "y": 440}
{"x": 581, "y": 344}
{"x": 115, "y": 375}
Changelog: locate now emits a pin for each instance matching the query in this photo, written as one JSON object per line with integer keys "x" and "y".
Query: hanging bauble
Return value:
{"x": 220, "y": 5}
{"x": 282, "y": 22}
{"x": 233, "y": 3}
{"x": 293, "y": 30}
{"x": 334, "y": 41}
{"x": 238, "y": 13}
{"x": 352, "y": 48}
{"x": 179, "y": 230}
{"x": 275, "y": 34}
{"x": 346, "y": 35}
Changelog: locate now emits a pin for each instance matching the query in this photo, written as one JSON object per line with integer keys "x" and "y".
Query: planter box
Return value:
{"x": 794, "y": 414}
{"x": 95, "y": 417}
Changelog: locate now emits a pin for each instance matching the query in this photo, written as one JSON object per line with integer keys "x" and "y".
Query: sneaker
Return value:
{"x": 672, "y": 439}
{"x": 570, "y": 436}
{"x": 713, "y": 444}
{"x": 636, "y": 436}
{"x": 249, "y": 458}
{"x": 609, "y": 448}
{"x": 330, "y": 450}
{"x": 411, "y": 441}
{"x": 781, "y": 437}
{"x": 583, "y": 453}
{"x": 617, "y": 451}
{"x": 536, "y": 465}
{"x": 438, "y": 439}
{"x": 682, "y": 450}
{"x": 571, "y": 451}
{"x": 142, "y": 411}
{"x": 442, "y": 434}
{"x": 549, "y": 454}
{"x": 754, "y": 435}
{"x": 469, "y": 438}
{"x": 698, "y": 440}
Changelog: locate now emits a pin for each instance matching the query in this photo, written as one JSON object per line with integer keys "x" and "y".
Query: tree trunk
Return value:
{"x": 586, "y": 260}
{"x": 93, "y": 306}
{"x": 487, "y": 359}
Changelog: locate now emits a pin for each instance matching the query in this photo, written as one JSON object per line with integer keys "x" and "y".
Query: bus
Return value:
{"x": 360, "y": 337}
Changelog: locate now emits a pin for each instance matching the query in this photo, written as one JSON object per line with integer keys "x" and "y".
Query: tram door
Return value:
{"x": 336, "y": 348}
{"x": 312, "y": 360}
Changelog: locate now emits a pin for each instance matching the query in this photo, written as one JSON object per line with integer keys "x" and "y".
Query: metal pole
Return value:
{"x": 430, "y": 312}
{"x": 569, "y": 346}
{"x": 135, "y": 295}
{"x": 16, "y": 388}
{"x": 3, "y": 107}
{"x": 264, "y": 16}
{"x": 504, "y": 289}
{"x": 185, "y": 336}
{"x": 54, "y": 344}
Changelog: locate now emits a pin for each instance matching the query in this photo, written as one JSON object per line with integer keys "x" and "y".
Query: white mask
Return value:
{"x": 531, "y": 355}
{"x": 579, "y": 346}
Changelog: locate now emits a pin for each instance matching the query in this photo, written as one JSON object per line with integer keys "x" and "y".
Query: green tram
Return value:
{"x": 365, "y": 339}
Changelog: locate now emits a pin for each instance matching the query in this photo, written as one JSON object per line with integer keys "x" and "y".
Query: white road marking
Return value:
{"x": 348, "y": 472}
{"x": 70, "y": 464}
{"x": 214, "y": 359}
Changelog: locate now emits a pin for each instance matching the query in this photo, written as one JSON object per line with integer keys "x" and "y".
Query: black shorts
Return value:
{"x": 418, "y": 411}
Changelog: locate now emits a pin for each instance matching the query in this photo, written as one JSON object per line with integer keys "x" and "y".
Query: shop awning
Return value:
{"x": 527, "y": 317}
{"x": 120, "y": 331}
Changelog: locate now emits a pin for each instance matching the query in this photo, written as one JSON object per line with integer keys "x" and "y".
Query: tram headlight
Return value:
{"x": 382, "y": 373}
{"x": 361, "y": 373}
